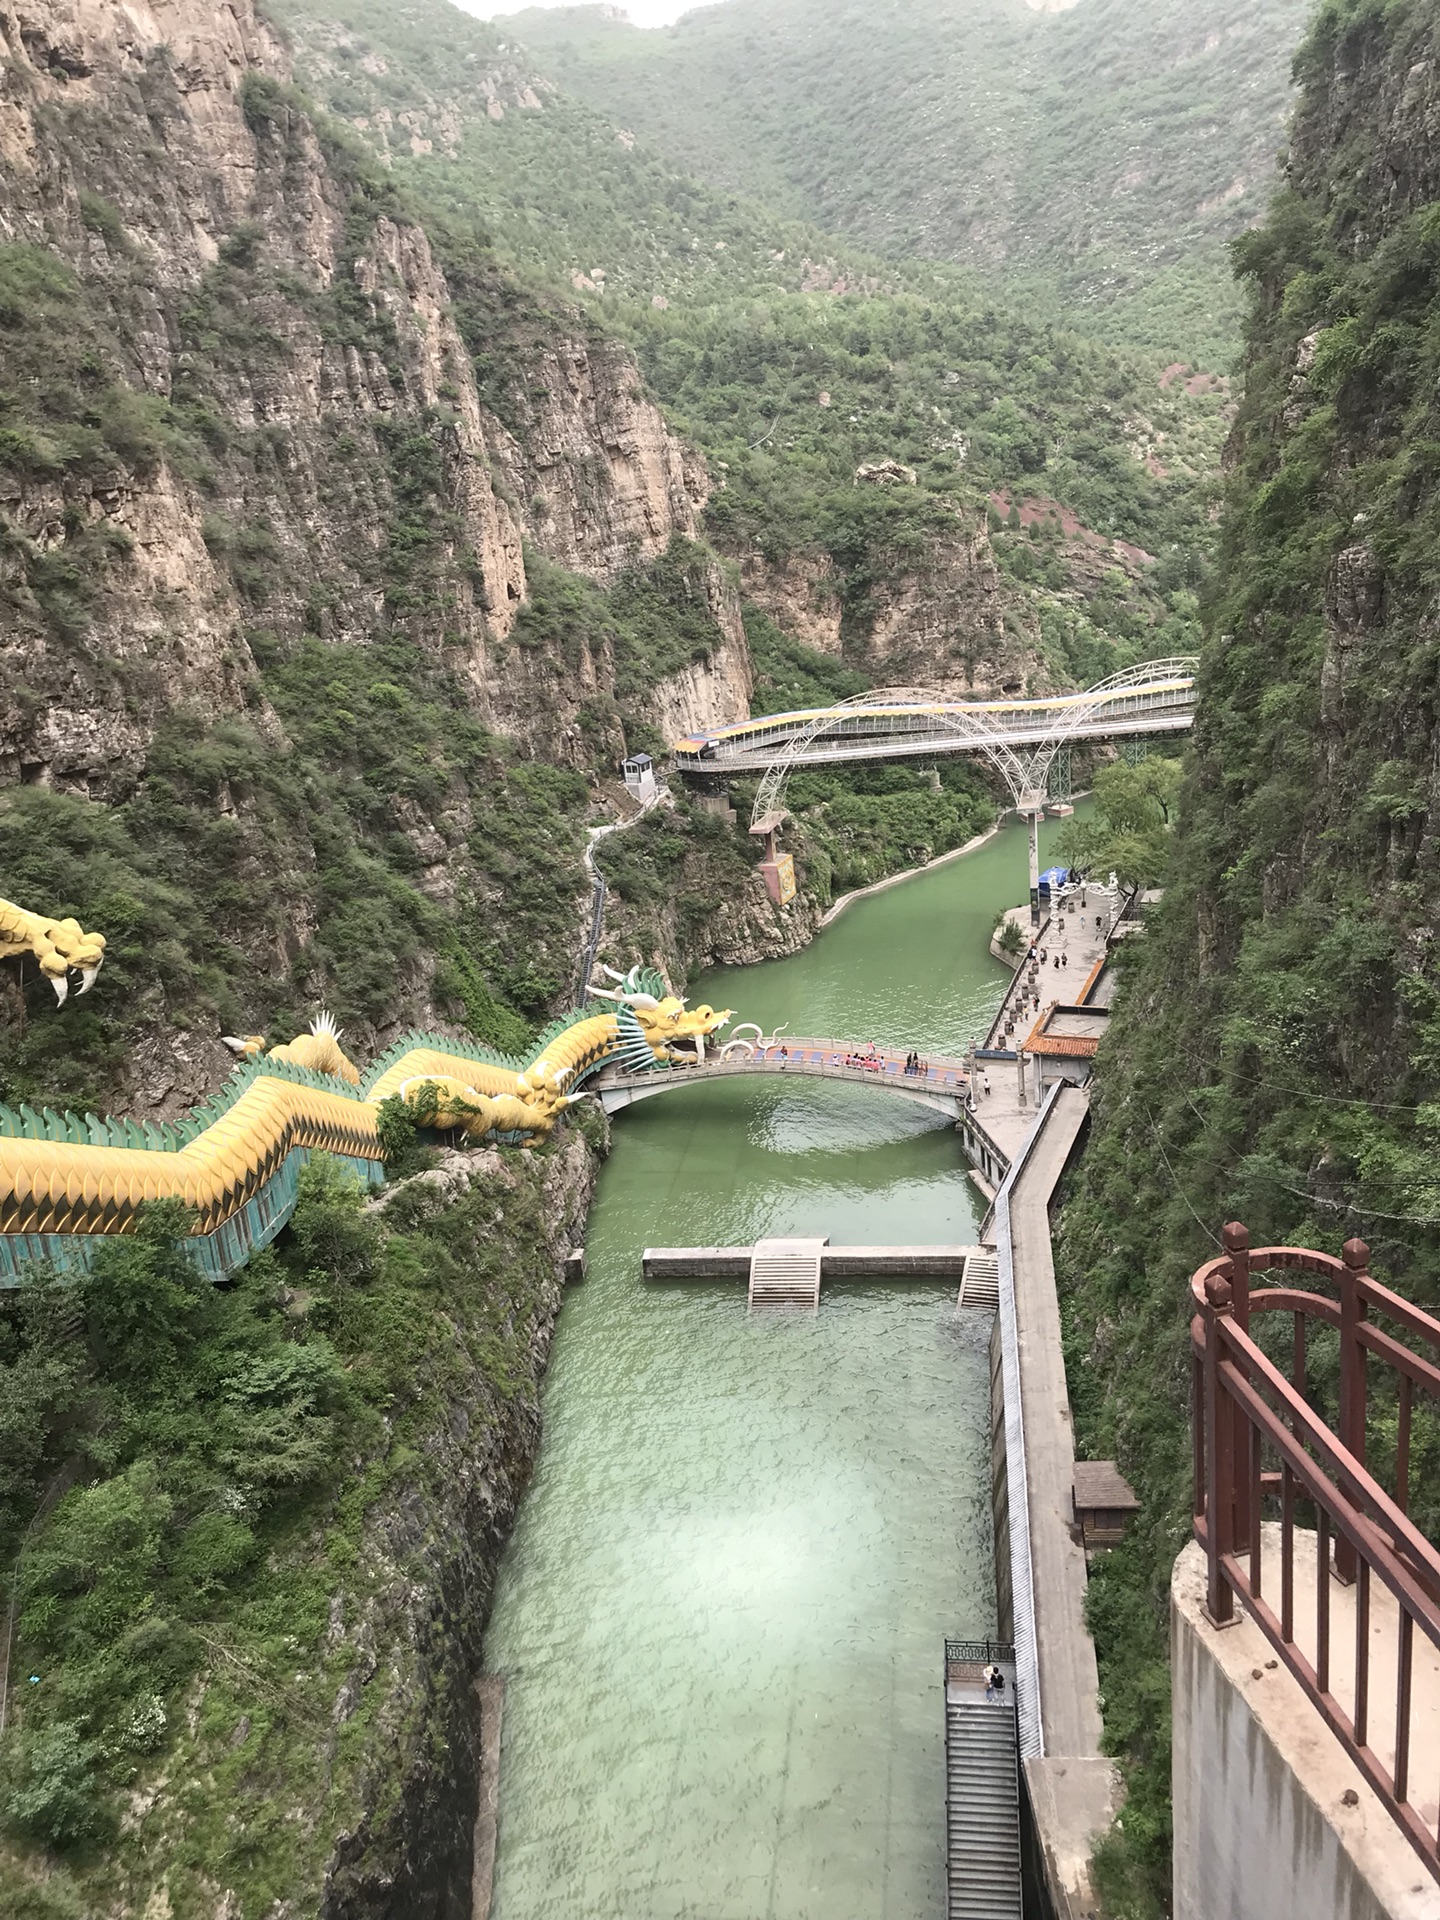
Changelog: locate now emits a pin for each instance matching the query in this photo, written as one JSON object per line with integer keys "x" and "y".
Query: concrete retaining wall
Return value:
{"x": 1263, "y": 1826}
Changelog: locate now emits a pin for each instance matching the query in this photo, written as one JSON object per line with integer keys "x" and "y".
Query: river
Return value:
{"x": 721, "y": 1617}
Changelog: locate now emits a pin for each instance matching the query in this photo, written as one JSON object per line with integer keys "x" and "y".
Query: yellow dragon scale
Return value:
{"x": 60, "y": 1186}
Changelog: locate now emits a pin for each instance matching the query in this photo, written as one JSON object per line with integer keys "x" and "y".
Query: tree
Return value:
{"x": 1129, "y": 834}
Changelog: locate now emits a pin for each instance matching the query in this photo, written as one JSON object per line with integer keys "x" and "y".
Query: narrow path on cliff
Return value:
{"x": 721, "y": 1618}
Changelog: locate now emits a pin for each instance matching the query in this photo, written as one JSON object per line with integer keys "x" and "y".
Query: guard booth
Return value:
{"x": 639, "y": 772}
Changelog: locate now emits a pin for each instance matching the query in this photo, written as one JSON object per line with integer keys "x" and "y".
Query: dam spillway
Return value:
{"x": 722, "y": 1616}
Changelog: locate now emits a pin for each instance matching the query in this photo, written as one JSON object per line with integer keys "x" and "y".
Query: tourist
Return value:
{"x": 1064, "y": 959}
{"x": 985, "y": 1085}
{"x": 994, "y": 1680}
{"x": 784, "y": 1058}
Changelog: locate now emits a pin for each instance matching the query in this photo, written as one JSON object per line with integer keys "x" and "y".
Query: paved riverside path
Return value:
{"x": 1000, "y": 1111}
{"x": 1072, "y": 1786}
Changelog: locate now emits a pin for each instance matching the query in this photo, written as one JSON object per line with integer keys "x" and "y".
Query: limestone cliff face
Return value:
{"x": 944, "y": 619}
{"x": 175, "y": 66}
{"x": 940, "y": 623}
{"x": 712, "y": 691}
{"x": 800, "y": 593}
{"x": 602, "y": 480}
{"x": 214, "y": 227}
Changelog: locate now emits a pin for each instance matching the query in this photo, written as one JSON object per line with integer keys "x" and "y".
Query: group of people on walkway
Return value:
{"x": 914, "y": 1064}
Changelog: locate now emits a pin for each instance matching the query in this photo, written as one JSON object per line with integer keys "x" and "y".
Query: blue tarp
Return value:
{"x": 1053, "y": 879}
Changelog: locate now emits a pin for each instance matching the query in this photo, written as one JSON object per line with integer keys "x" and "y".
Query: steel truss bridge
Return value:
{"x": 1020, "y": 738}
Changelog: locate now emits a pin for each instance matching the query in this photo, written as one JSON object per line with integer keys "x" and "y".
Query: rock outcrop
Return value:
{"x": 800, "y": 593}
{"x": 713, "y": 691}
{"x": 940, "y": 622}
{"x": 943, "y": 618}
{"x": 351, "y": 482}
{"x": 603, "y": 482}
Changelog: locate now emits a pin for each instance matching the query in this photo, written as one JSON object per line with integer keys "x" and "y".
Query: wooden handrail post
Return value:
{"x": 1219, "y": 1460}
{"x": 1356, "y": 1256}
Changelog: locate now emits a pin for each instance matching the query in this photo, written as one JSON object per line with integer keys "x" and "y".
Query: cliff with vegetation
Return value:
{"x": 908, "y": 476}
{"x": 388, "y": 445}
{"x": 258, "y": 1533}
{"x": 345, "y": 545}
{"x": 1097, "y": 155}
{"x": 337, "y": 577}
{"x": 1275, "y": 1046}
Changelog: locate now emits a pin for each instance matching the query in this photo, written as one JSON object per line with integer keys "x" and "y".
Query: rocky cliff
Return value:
{"x": 278, "y": 467}
{"x": 238, "y": 268}
{"x": 1274, "y": 1052}
{"x": 943, "y": 618}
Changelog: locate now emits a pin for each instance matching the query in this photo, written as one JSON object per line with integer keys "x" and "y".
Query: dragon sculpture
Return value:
{"x": 59, "y": 947}
{"x": 672, "y": 1032}
{"x": 320, "y": 1049}
{"x": 66, "y": 1179}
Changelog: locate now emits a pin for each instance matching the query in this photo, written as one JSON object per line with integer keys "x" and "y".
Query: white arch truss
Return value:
{"x": 984, "y": 729}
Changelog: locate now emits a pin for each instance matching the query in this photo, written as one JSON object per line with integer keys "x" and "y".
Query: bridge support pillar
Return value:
{"x": 1034, "y": 808}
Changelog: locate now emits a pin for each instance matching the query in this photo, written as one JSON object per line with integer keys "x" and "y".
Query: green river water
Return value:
{"x": 721, "y": 1617}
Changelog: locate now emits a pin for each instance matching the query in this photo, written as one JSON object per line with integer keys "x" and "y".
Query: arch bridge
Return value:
{"x": 1021, "y": 739}
{"x": 942, "y": 1087}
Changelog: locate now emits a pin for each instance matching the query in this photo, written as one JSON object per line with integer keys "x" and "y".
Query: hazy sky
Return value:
{"x": 645, "y": 13}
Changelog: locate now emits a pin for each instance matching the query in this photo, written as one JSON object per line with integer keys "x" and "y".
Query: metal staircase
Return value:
{"x": 786, "y": 1273}
{"x": 982, "y": 1789}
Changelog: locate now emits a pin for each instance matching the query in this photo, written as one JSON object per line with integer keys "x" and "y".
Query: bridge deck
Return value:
{"x": 943, "y": 1084}
{"x": 752, "y": 756}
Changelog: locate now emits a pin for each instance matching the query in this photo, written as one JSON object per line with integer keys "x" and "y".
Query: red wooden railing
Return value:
{"x": 1260, "y": 1445}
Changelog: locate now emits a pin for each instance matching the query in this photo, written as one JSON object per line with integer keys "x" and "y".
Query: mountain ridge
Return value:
{"x": 1103, "y": 155}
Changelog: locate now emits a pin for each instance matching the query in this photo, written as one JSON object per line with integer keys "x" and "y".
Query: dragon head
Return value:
{"x": 677, "y": 1030}
{"x": 671, "y": 1029}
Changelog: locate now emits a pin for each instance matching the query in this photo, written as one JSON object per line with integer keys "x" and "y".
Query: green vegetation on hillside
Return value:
{"x": 1097, "y": 158}
{"x": 188, "y": 1474}
{"x": 1128, "y": 834}
{"x": 791, "y": 396}
{"x": 1276, "y": 1045}
{"x": 789, "y": 391}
